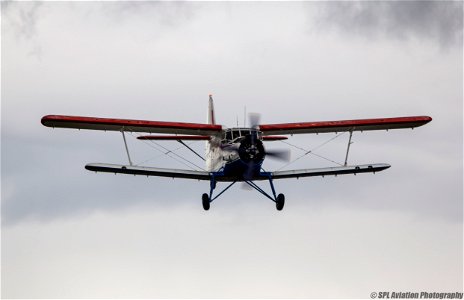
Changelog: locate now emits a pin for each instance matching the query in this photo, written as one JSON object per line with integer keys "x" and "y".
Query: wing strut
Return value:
{"x": 186, "y": 146}
{"x": 127, "y": 149}
{"x": 348, "y": 148}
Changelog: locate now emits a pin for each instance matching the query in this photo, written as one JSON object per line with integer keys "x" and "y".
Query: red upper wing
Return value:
{"x": 130, "y": 125}
{"x": 346, "y": 125}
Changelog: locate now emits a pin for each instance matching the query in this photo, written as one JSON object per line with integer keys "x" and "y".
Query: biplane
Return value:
{"x": 232, "y": 154}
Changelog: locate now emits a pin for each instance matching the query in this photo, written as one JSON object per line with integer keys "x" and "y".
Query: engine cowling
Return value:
{"x": 251, "y": 149}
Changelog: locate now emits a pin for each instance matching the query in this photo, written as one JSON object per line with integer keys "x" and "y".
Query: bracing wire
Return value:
{"x": 154, "y": 157}
{"x": 311, "y": 151}
{"x": 171, "y": 153}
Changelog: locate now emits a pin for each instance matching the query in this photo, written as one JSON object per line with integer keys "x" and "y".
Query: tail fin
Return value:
{"x": 211, "y": 117}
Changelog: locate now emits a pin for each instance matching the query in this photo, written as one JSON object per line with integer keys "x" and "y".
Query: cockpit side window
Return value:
{"x": 229, "y": 135}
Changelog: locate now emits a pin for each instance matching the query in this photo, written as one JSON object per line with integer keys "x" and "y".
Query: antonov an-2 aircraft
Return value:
{"x": 232, "y": 154}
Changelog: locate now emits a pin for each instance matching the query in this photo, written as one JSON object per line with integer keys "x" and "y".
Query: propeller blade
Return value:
{"x": 279, "y": 154}
{"x": 254, "y": 119}
{"x": 249, "y": 172}
{"x": 245, "y": 186}
{"x": 283, "y": 155}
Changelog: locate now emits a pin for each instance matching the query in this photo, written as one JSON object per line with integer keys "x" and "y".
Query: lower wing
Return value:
{"x": 204, "y": 175}
{"x": 148, "y": 171}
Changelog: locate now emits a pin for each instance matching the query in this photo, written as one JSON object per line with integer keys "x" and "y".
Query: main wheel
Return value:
{"x": 280, "y": 202}
{"x": 205, "y": 201}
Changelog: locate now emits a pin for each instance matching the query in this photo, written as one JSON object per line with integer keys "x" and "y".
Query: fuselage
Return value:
{"x": 239, "y": 153}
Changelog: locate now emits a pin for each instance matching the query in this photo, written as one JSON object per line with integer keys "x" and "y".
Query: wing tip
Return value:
{"x": 45, "y": 120}
{"x": 386, "y": 166}
{"x": 422, "y": 120}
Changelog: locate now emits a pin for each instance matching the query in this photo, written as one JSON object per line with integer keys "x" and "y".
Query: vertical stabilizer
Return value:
{"x": 211, "y": 117}
{"x": 210, "y": 153}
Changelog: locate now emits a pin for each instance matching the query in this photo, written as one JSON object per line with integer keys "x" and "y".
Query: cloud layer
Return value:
{"x": 438, "y": 21}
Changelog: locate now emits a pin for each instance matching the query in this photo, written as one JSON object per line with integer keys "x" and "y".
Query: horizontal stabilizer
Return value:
{"x": 372, "y": 168}
{"x": 148, "y": 171}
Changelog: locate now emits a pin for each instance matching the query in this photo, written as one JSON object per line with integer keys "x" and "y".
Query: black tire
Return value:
{"x": 280, "y": 202}
{"x": 205, "y": 201}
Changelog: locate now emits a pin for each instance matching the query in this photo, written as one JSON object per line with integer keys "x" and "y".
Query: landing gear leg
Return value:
{"x": 207, "y": 199}
{"x": 278, "y": 199}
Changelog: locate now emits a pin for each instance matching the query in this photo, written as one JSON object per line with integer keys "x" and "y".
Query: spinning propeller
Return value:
{"x": 254, "y": 121}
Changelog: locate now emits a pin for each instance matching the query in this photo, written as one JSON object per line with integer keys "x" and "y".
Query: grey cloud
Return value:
{"x": 22, "y": 18}
{"x": 166, "y": 14}
{"x": 440, "y": 21}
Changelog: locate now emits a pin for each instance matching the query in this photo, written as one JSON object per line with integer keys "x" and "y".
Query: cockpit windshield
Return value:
{"x": 235, "y": 133}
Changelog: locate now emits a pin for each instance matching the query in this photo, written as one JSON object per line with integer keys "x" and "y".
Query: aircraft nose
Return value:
{"x": 251, "y": 150}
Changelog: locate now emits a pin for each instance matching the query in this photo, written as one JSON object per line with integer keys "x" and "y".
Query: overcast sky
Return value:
{"x": 67, "y": 232}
